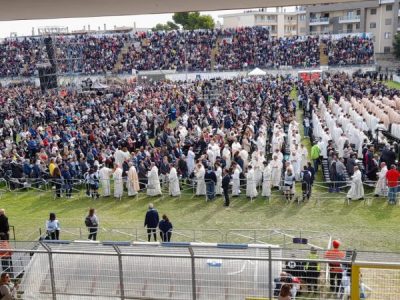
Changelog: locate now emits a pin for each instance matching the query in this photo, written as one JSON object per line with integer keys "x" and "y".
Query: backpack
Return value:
{"x": 88, "y": 222}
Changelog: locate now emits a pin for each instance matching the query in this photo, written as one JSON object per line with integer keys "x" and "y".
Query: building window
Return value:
{"x": 386, "y": 49}
{"x": 388, "y": 21}
{"x": 388, "y": 35}
{"x": 372, "y": 25}
{"x": 302, "y": 17}
{"x": 373, "y": 11}
{"x": 389, "y": 7}
{"x": 357, "y": 25}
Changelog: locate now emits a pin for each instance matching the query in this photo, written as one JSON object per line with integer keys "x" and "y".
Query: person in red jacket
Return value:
{"x": 335, "y": 268}
{"x": 392, "y": 178}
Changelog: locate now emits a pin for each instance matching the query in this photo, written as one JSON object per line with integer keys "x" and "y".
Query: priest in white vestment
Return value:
{"x": 133, "y": 181}
{"x": 226, "y": 154}
{"x": 276, "y": 171}
{"x": 153, "y": 185}
{"x": 251, "y": 186}
{"x": 105, "y": 178}
{"x": 381, "y": 188}
{"x": 174, "y": 189}
{"x": 356, "y": 191}
{"x": 118, "y": 182}
{"x": 199, "y": 173}
{"x": 190, "y": 160}
{"x": 218, "y": 173}
{"x": 236, "y": 180}
{"x": 266, "y": 181}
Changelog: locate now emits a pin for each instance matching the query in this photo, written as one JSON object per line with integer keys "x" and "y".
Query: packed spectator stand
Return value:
{"x": 199, "y": 50}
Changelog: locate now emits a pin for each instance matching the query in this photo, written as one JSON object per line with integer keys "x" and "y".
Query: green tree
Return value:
{"x": 396, "y": 45}
{"x": 193, "y": 20}
{"x": 165, "y": 27}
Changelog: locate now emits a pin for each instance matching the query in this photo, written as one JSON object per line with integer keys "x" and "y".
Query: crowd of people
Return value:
{"x": 250, "y": 47}
{"x": 125, "y": 136}
{"x": 88, "y": 54}
{"x": 195, "y": 50}
{"x": 347, "y": 115}
{"x": 351, "y": 50}
{"x": 172, "y": 50}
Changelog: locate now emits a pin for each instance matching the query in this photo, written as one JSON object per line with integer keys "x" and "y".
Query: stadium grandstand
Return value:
{"x": 264, "y": 152}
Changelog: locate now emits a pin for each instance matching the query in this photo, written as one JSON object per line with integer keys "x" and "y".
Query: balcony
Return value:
{"x": 319, "y": 21}
{"x": 349, "y": 19}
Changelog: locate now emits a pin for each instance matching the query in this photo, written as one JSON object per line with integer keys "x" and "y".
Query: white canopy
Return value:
{"x": 99, "y": 86}
{"x": 257, "y": 72}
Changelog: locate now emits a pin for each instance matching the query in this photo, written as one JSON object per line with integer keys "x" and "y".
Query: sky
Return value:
{"x": 23, "y": 28}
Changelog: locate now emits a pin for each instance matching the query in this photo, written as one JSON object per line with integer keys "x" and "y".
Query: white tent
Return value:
{"x": 257, "y": 72}
{"x": 99, "y": 86}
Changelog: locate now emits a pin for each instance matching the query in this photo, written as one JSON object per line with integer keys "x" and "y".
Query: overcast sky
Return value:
{"x": 23, "y": 28}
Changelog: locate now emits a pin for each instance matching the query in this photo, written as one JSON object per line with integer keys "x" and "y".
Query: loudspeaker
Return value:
{"x": 47, "y": 76}
{"x": 48, "y": 42}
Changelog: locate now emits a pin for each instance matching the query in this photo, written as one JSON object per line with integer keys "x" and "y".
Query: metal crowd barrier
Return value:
{"x": 326, "y": 191}
{"x": 125, "y": 270}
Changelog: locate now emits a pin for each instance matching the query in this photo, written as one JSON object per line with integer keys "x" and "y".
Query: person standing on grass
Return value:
{"x": 392, "y": 177}
{"x": 165, "y": 227}
{"x": 315, "y": 154}
{"x": 53, "y": 227}
{"x": 4, "y": 226}
{"x": 92, "y": 223}
{"x": 225, "y": 186}
{"x": 151, "y": 222}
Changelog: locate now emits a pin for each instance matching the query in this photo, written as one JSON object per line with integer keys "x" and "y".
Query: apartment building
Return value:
{"x": 379, "y": 17}
{"x": 280, "y": 22}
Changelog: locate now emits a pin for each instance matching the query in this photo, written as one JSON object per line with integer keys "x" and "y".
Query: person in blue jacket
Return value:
{"x": 151, "y": 222}
{"x": 165, "y": 227}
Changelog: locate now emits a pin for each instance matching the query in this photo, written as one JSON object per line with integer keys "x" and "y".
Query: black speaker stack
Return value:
{"x": 48, "y": 71}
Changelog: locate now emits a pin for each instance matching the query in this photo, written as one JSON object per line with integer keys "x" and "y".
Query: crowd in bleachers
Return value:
{"x": 226, "y": 49}
{"x": 351, "y": 50}
{"x": 173, "y": 50}
{"x": 251, "y": 47}
{"x": 19, "y": 57}
{"x": 88, "y": 54}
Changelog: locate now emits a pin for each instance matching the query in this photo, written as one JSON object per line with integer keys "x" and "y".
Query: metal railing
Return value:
{"x": 332, "y": 190}
{"x": 353, "y": 18}
{"x": 109, "y": 270}
{"x": 319, "y": 20}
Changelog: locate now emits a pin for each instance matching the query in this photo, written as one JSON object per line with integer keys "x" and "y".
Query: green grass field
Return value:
{"x": 360, "y": 226}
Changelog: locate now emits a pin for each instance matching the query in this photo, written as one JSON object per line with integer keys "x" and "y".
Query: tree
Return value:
{"x": 193, "y": 20}
{"x": 165, "y": 27}
{"x": 396, "y": 45}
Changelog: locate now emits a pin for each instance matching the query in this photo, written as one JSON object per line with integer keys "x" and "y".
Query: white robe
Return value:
{"x": 201, "y": 184}
{"x": 153, "y": 186}
{"x": 236, "y": 182}
{"x": 266, "y": 184}
{"x": 190, "y": 161}
{"x": 251, "y": 186}
{"x": 174, "y": 189}
{"x": 105, "y": 176}
{"x": 132, "y": 183}
{"x": 276, "y": 172}
{"x": 226, "y": 154}
{"x": 356, "y": 191}
{"x": 381, "y": 188}
{"x": 118, "y": 183}
{"x": 218, "y": 187}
